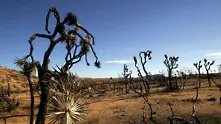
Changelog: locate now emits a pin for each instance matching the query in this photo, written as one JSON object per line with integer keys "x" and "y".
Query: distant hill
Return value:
{"x": 17, "y": 79}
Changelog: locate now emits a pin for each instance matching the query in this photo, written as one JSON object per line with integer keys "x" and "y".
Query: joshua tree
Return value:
{"x": 75, "y": 52}
{"x": 171, "y": 64}
{"x": 27, "y": 69}
{"x": 126, "y": 75}
{"x": 144, "y": 56}
{"x": 207, "y": 66}
{"x": 198, "y": 67}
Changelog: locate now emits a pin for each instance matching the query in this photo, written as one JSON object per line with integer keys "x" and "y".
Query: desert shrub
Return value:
{"x": 15, "y": 76}
{"x": 7, "y": 104}
{"x": 211, "y": 99}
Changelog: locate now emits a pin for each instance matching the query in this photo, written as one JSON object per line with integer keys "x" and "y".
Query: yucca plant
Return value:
{"x": 66, "y": 98}
{"x": 66, "y": 108}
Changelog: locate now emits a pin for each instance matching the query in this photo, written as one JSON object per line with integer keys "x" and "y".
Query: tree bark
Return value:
{"x": 208, "y": 78}
{"x": 9, "y": 88}
{"x": 170, "y": 79}
{"x": 44, "y": 89}
{"x": 199, "y": 80}
{"x": 32, "y": 99}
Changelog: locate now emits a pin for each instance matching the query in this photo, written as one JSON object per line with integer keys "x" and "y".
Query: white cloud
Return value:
{"x": 119, "y": 61}
{"x": 215, "y": 55}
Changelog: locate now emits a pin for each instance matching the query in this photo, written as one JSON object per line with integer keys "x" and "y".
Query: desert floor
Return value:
{"x": 128, "y": 108}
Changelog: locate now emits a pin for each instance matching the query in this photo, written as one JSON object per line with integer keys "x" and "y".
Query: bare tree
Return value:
{"x": 186, "y": 75}
{"x": 75, "y": 52}
{"x": 207, "y": 66}
{"x": 198, "y": 67}
{"x": 171, "y": 64}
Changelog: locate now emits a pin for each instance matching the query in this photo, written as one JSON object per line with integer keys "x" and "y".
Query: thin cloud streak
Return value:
{"x": 216, "y": 54}
{"x": 119, "y": 61}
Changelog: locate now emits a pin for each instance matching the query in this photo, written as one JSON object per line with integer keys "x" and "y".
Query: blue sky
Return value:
{"x": 190, "y": 29}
